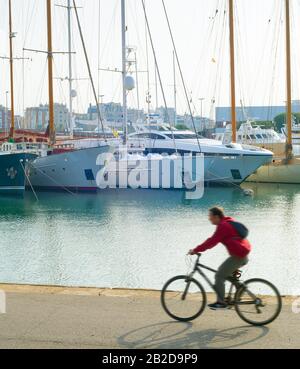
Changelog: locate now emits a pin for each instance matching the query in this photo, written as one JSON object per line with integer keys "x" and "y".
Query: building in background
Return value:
{"x": 113, "y": 113}
{"x": 166, "y": 115}
{"x": 257, "y": 113}
{"x": 5, "y": 119}
{"x": 37, "y": 118}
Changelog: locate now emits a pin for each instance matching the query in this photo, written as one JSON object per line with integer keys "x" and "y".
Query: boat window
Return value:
{"x": 236, "y": 174}
{"x": 183, "y": 136}
{"x": 152, "y": 136}
{"x": 253, "y": 137}
{"x": 89, "y": 175}
{"x": 259, "y": 136}
{"x": 265, "y": 136}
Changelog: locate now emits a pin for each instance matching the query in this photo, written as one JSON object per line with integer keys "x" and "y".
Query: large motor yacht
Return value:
{"x": 223, "y": 163}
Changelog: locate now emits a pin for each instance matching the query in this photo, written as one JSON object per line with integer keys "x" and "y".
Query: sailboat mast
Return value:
{"x": 175, "y": 88}
{"x": 124, "y": 68}
{"x": 289, "y": 147}
{"x": 11, "y": 62}
{"x": 232, "y": 69}
{"x": 50, "y": 74}
{"x": 70, "y": 70}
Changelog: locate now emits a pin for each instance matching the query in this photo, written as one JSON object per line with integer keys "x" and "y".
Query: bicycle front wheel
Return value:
{"x": 183, "y": 299}
{"x": 258, "y": 302}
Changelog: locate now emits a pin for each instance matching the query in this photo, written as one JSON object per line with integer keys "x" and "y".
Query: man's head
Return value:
{"x": 216, "y": 215}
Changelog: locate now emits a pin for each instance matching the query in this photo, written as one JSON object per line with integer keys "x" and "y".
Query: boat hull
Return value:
{"x": 278, "y": 172}
{"x": 217, "y": 171}
{"x": 73, "y": 170}
{"x": 232, "y": 170}
{"x": 12, "y": 172}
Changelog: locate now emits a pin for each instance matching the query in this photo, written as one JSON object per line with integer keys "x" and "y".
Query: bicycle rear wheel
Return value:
{"x": 258, "y": 302}
{"x": 183, "y": 299}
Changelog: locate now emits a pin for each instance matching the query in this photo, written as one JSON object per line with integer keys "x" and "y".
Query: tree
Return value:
{"x": 280, "y": 120}
{"x": 182, "y": 127}
{"x": 265, "y": 124}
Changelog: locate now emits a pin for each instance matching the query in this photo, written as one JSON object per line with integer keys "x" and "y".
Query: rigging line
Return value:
{"x": 258, "y": 75}
{"x": 26, "y": 29}
{"x": 60, "y": 84}
{"x": 224, "y": 179}
{"x": 181, "y": 74}
{"x": 135, "y": 23}
{"x": 100, "y": 119}
{"x": 41, "y": 85}
{"x": 148, "y": 72}
{"x": 276, "y": 45}
{"x": 53, "y": 180}
{"x": 29, "y": 181}
{"x": 99, "y": 44}
{"x": 240, "y": 54}
{"x": 203, "y": 50}
{"x": 158, "y": 72}
{"x": 112, "y": 26}
{"x": 221, "y": 61}
{"x": 221, "y": 37}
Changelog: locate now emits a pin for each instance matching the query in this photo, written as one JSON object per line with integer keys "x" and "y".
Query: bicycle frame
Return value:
{"x": 234, "y": 282}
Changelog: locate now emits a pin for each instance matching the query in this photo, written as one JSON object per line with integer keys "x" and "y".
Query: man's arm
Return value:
{"x": 211, "y": 242}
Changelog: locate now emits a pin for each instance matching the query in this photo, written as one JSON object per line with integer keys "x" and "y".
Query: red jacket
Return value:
{"x": 228, "y": 236}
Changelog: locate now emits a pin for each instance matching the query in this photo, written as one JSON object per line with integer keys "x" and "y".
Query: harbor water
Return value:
{"x": 139, "y": 239}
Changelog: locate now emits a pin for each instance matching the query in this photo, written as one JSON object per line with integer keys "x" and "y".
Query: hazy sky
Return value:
{"x": 201, "y": 34}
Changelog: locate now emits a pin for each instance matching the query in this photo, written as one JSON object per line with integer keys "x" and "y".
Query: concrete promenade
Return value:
{"x": 46, "y": 317}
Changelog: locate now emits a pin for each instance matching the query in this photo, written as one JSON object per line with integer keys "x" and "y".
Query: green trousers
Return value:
{"x": 226, "y": 270}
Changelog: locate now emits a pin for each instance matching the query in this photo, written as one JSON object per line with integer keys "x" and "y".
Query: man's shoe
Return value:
{"x": 218, "y": 306}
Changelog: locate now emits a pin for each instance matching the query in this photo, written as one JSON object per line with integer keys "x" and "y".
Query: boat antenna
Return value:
{"x": 175, "y": 89}
{"x": 289, "y": 145}
{"x": 232, "y": 72}
{"x": 181, "y": 74}
{"x": 11, "y": 62}
{"x": 124, "y": 69}
{"x": 50, "y": 74}
{"x": 89, "y": 69}
{"x": 158, "y": 72}
{"x": 70, "y": 70}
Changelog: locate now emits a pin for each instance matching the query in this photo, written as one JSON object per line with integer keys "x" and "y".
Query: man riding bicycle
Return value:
{"x": 233, "y": 236}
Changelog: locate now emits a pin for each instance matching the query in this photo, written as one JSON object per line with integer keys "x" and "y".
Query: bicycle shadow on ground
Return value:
{"x": 173, "y": 335}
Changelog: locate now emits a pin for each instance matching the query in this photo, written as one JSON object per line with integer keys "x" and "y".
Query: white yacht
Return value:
{"x": 224, "y": 163}
{"x": 251, "y": 134}
{"x": 295, "y": 133}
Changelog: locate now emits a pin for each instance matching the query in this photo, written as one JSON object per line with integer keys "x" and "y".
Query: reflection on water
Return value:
{"x": 138, "y": 239}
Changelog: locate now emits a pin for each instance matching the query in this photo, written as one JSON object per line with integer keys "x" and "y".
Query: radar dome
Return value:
{"x": 129, "y": 83}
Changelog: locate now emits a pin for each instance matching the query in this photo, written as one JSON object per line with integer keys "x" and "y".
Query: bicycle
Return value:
{"x": 256, "y": 301}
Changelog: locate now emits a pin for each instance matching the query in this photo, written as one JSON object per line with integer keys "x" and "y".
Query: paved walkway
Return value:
{"x": 82, "y": 318}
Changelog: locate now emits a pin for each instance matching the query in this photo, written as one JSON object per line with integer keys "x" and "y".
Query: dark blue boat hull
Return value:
{"x": 12, "y": 174}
